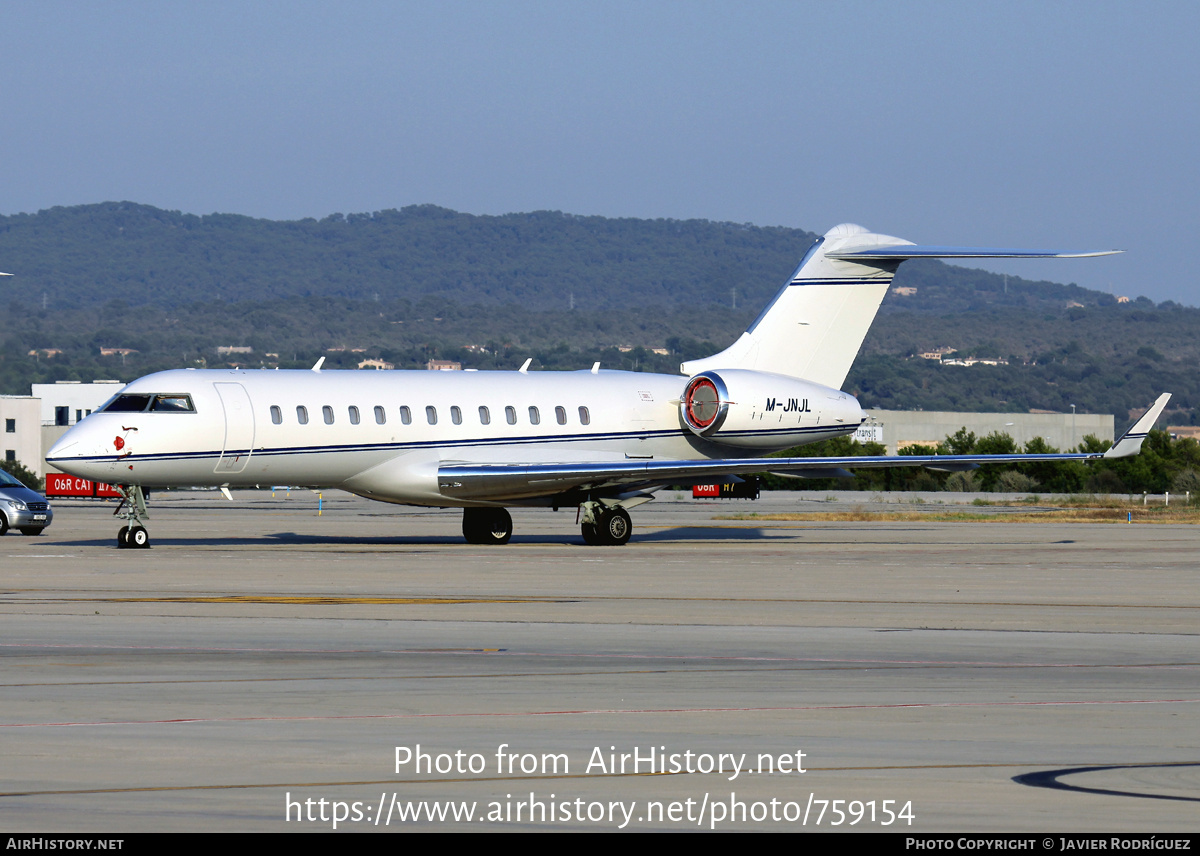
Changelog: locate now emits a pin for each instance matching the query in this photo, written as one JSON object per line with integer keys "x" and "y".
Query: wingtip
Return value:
{"x": 1131, "y": 441}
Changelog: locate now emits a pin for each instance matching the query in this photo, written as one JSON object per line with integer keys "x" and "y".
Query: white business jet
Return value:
{"x": 603, "y": 441}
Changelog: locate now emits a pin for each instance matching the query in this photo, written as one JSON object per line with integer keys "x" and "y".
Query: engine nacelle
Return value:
{"x": 761, "y": 410}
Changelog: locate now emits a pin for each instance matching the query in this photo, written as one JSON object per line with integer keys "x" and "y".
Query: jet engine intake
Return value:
{"x": 762, "y": 410}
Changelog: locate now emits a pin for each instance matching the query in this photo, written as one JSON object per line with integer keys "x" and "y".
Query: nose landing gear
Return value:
{"x": 132, "y": 509}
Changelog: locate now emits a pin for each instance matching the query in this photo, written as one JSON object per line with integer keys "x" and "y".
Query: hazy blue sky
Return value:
{"x": 1029, "y": 124}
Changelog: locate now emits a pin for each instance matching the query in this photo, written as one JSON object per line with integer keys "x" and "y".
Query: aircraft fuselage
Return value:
{"x": 384, "y": 434}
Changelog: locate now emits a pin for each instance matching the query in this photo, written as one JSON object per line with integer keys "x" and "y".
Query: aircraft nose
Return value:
{"x": 62, "y": 446}
{"x": 71, "y": 452}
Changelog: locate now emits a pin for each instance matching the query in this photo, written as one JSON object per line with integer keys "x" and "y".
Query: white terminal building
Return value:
{"x": 898, "y": 429}
{"x": 32, "y": 423}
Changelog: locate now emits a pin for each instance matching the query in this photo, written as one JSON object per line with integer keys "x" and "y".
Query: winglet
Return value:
{"x": 320, "y": 363}
{"x": 525, "y": 365}
{"x": 1131, "y": 442}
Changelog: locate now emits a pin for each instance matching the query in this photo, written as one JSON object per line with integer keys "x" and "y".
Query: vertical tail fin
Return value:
{"x": 816, "y": 324}
{"x": 814, "y": 327}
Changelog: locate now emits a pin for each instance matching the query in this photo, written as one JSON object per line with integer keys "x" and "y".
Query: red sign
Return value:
{"x": 745, "y": 489}
{"x": 61, "y": 484}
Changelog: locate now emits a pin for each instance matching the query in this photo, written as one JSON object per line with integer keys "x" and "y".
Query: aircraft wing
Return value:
{"x": 517, "y": 481}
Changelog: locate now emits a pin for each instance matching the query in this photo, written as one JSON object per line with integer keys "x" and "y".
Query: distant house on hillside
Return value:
{"x": 976, "y": 361}
{"x": 376, "y": 364}
{"x": 443, "y": 366}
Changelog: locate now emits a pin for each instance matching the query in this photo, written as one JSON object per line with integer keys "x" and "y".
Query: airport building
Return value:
{"x": 897, "y": 429}
{"x": 22, "y": 437}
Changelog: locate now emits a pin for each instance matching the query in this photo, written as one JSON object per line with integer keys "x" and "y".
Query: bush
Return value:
{"x": 964, "y": 482}
{"x": 1012, "y": 481}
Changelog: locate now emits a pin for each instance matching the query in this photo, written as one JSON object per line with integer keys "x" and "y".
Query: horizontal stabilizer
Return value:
{"x": 913, "y": 251}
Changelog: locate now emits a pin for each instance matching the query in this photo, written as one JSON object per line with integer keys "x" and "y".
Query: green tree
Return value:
{"x": 22, "y": 474}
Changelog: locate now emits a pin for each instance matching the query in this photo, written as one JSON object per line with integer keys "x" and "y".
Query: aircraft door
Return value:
{"x": 239, "y": 428}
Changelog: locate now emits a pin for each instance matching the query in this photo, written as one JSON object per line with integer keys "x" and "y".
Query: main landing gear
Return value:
{"x": 487, "y": 525}
{"x": 603, "y": 525}
{"x": 132, "y": 509}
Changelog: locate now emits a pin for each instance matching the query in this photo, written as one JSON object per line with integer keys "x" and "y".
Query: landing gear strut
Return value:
{"x": 487, "y": 525}
{"x": 132, "y": 509}
{"x": 603, "y": 525}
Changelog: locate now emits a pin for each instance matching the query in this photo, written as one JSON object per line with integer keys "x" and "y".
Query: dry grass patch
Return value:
{"x": 1140, "y": 514}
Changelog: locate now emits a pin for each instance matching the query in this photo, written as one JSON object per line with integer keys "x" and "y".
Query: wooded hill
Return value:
{"x": 87, "y": 255}
{"x": 425, "y": 282}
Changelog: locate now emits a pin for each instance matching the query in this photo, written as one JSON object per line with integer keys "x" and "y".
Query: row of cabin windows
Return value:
{"x": 431, "y": 415}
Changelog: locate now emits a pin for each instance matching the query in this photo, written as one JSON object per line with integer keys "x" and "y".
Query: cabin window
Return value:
{"x": 380, "y": 415}
{"x": 276, "y": 414}
{"x": 585, "y": 418}
{"x": 510, "y": 413}
{"x": 535, "y": 418}
{"x": 485, "y": 416}
{"x": 10, "y": 426}
{"x": 431, "y": 414}
{"x": 560, "y": 414}
{"x": 327, "y": 412}
{"x": 456, "y": 415}
{"x": 302, "y": 414}
{"x": 354, "y": 417}
{"x": 405, "y": 415}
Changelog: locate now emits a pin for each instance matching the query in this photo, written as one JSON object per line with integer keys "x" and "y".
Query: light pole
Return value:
{"x": 1073, "y": 424}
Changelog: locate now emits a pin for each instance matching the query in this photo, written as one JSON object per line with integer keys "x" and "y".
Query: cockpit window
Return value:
{"x": 157, "y": 403}
{"x": 128, "y": 404}
{"x": 173, "y": 403}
